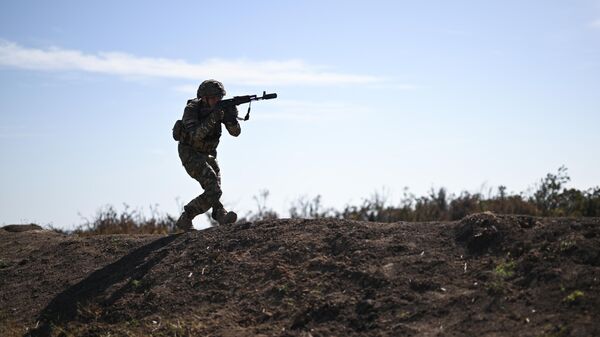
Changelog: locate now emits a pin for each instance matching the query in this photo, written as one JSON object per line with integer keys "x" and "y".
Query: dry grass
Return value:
{"x": 550, "y": 197}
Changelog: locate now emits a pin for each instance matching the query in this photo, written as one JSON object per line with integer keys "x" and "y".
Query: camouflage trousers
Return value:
{"x": 205, "y": 169}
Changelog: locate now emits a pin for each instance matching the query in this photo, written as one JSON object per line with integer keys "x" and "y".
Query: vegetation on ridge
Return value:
{"x": 550, "y": 198}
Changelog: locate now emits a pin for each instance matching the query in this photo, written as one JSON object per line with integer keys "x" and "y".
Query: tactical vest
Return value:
{"x": 193, "y": 115}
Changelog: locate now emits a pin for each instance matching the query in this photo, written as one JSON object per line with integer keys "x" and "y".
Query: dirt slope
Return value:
{"x": 486, "y": 275}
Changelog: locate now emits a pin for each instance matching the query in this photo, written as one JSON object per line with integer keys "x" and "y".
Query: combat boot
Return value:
{"x": 185, "y": 222}
{"x": 223, "y": 217}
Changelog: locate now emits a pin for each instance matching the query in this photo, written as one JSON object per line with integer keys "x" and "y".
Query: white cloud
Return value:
{"x": 241, "y": 72}
{"x": 187, "y": 88}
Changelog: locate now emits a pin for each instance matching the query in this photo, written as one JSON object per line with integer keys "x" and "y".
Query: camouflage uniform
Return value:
{"x": 198, "y": 152}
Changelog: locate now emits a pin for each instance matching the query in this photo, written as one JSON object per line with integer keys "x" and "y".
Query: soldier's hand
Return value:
{"x": 217, "y": 114}
{"x": 230, "y": 114}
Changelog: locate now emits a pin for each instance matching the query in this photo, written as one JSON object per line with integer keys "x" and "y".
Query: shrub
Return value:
{"x": 108, "y": 221}
{"x": 550, "y": 198}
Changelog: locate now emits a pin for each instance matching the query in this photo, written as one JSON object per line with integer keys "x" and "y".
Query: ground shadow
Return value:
{"x": 64, "y": 307}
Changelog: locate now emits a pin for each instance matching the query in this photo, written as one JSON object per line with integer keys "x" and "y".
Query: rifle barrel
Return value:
{"x": 269, "y": 96}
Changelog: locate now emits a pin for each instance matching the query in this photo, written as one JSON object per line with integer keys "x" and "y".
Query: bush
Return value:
{"x": 108, "y": 221}
{"x": 550, "y": 198}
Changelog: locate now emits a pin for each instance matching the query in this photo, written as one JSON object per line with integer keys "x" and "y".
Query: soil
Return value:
{"x": 486, "y": 275}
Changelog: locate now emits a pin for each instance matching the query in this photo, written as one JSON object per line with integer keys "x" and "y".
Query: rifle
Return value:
{"x": 237, "y": 100}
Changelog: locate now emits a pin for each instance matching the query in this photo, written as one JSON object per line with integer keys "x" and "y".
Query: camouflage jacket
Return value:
{"x": 203, "y": 127}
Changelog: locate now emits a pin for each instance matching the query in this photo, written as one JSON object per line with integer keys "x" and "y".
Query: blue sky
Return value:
{"x": 372, "y": 96}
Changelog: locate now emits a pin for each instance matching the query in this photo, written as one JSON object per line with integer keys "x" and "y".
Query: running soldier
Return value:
{"x": 198, "y": 134}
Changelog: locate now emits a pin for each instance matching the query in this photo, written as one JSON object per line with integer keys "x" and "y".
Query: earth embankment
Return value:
{"x": 487, "y": 274}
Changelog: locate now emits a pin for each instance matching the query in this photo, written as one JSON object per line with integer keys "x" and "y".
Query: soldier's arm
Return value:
{"x": 198, "y": 130}
{"x": 233, "y": 128}
{"x": 232, "y": 125}
{"x": 205, "y": 127}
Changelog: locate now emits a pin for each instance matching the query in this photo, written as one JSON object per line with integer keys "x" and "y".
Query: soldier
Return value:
{"x": 198, "y": 135}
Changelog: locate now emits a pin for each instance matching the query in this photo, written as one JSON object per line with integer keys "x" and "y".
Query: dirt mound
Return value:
{"x": 21, "y": 228}
{"x": 492, "y": 234}
{"x": 486, "y": 275}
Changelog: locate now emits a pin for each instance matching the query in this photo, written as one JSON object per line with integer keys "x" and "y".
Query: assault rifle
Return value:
{"x": 237, "y": 100}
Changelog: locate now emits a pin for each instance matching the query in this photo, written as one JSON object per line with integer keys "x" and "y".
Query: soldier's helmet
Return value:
{"x": 210, "y": 88}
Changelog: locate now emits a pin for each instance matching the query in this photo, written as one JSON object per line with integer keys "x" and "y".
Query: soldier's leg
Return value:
{"x": 197, "y": 166}
{"x": 212, "y": 161}
{"x": 218, "y": 211}
{"x": 204, "y": 173}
